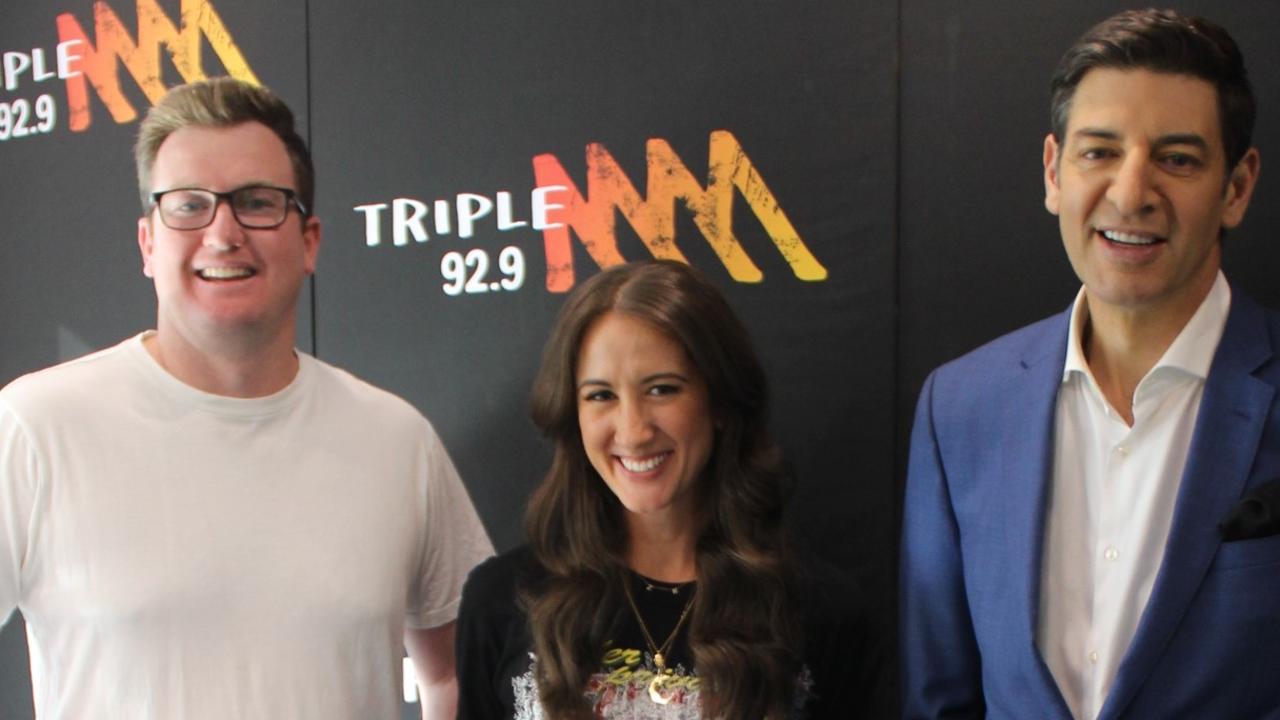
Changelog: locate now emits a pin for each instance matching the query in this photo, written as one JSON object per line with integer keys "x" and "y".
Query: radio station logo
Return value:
{"x": 90, "y": 55}
{"x": 561, "y": 211}
{"x": 84, "y": 61}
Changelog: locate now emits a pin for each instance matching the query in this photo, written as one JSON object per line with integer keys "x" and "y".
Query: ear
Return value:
{"x": 145, "y": 244}
{"x": 1052, "y": 190}
{"x": 311, "y": 243}
{"x": 1240, "y": 188}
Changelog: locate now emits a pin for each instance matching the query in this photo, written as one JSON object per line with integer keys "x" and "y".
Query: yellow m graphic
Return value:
{"x": 592, "y": 218}
{"x": 142, "y": 59}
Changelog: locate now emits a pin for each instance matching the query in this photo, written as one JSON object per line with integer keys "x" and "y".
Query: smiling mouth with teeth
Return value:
{"x": 1123, "y": 238}
{"x": 640, "y": 466}
{"x": 225, "y": 273}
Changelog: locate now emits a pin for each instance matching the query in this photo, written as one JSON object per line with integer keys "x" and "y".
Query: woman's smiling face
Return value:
{"x": 645, "y": 416}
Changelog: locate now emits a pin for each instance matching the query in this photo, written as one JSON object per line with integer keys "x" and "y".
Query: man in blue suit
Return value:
{"x": 1092, "y": 523}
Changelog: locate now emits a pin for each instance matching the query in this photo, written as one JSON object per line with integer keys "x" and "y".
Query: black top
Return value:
{"x": 845, "y": 671}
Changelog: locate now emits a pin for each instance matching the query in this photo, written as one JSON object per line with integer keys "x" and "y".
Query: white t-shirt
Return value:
{"x": 179, "y": 555}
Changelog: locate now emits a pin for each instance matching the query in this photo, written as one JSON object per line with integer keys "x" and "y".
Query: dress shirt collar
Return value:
{"x": 1191, "y": 351}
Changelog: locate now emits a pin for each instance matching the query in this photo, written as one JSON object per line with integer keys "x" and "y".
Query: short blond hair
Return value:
{"x": 221, "y": 102}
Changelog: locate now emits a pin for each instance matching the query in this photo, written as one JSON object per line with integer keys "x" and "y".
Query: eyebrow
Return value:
{"x": 671, "y": 375}
{"x": 241, "y": 186}
{"x": 1194, "y": 139}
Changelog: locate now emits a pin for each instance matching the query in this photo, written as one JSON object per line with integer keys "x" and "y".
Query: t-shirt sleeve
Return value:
{"x": 848, "y": 653}
{"x": 488, "y": 626}
{"x": 454, "y": 540}
{"x": 18, "y": 468}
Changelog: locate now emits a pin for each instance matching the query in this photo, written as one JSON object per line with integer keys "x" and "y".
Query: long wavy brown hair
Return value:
{"x": 743, "y": 633}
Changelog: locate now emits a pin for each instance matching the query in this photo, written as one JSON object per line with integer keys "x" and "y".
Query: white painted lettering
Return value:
{"x": 65, "y": 58}
{"x": 15, "y": 63}
{"x": 372, "y": 222}
{"x": 409, "y": 216}
{"x": 403, "y": 223}
{"x": 471, "y": 207}
{"x": 38, "y": 71}
{"x": 540, "y": 206}
{"x": 504, "y": 213}
{"x": 444, "y": 225}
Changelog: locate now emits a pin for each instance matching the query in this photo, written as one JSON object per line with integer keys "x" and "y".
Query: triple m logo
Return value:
{"x": 97, "y": 66}
{"x": 652, "y": 218}
{"x": 82, "y": 61}
{"x": 563, "y": 208}
{"x": 558, "y": 208}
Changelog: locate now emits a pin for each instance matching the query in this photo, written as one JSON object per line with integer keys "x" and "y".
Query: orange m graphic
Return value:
{"x": 142, "y": 59}
{"x": 592, "y": 218}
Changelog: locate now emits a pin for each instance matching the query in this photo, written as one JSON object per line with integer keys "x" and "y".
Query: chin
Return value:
{"x": 645, "y": 506}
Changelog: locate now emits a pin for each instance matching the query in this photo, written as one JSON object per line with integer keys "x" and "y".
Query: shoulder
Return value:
{"x": 1250, "y": 343}
{"x": 494, "y": 584}
{"x": 364, "y": 400}
{"x": 87, "y": 379}
{"x": 978, "y": 384}
{"x": 493, "y": 641}
{"x": 1247, "y": 317}
{"x": 1030, "y": 343}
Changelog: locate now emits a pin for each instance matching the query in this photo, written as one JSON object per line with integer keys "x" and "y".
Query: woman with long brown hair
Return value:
{"x": 656, "y": 582}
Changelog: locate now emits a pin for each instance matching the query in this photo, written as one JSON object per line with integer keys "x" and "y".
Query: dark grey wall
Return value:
{"x": 902, "y": 140}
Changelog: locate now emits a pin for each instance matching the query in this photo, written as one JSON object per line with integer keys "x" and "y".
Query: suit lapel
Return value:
{"x": 1035, "y": 397}
{"x": 1229, "y": 425}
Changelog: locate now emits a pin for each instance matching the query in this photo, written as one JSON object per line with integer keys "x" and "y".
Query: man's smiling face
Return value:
{"x": 1141, "y": 189}
{"x": 224, "y": 277}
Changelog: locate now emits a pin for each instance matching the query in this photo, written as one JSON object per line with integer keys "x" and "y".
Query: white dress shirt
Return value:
{"x": 1111, "y": 502}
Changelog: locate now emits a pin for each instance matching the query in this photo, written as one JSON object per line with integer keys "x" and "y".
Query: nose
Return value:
{"x": 1131, "y": 189}
{"x": 634, "y": 425}
{"x": 224, "y": 232}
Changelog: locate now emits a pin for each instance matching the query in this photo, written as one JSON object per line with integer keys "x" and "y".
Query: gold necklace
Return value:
{"x": 664, "y": 674}
{"x": 654, "y": 586}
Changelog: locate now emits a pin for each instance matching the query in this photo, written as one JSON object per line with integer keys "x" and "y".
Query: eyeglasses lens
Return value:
{"x": 254, "y": 207}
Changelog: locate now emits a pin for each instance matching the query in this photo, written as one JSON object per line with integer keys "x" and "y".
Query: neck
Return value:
{"x": 227, "y": 366}
{"x": 1121, "y": 344}
{"x": 662, "y": 550}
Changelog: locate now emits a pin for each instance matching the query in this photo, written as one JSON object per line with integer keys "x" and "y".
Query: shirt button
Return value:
{"x": 1093, "y": 657}
{"x": 1123, "y": 450}
{"x": 1110, "y": 553}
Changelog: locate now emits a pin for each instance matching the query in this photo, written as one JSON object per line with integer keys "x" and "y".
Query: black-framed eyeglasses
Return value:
{"x": 254, "y": 206}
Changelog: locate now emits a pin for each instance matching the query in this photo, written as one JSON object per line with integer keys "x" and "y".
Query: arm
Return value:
{"x": 18, "y": 473}
{"x": 453, "y": 542}
{"x": 431, "y": 650}
{"x": 941, "y": 664}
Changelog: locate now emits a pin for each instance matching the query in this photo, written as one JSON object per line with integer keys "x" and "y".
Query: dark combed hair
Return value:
{"x": 1168, "y": 42}
{"x": 221, "y": 102}
{"x": 743, "y": 633}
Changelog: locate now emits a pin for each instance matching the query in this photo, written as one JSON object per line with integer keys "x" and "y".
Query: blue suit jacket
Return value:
{"x": 1208, "y": 643}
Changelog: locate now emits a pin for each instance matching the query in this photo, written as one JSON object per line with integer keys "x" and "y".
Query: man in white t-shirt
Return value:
{"x": 202, "y": 522}
{"x": 1092, "y": 513}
